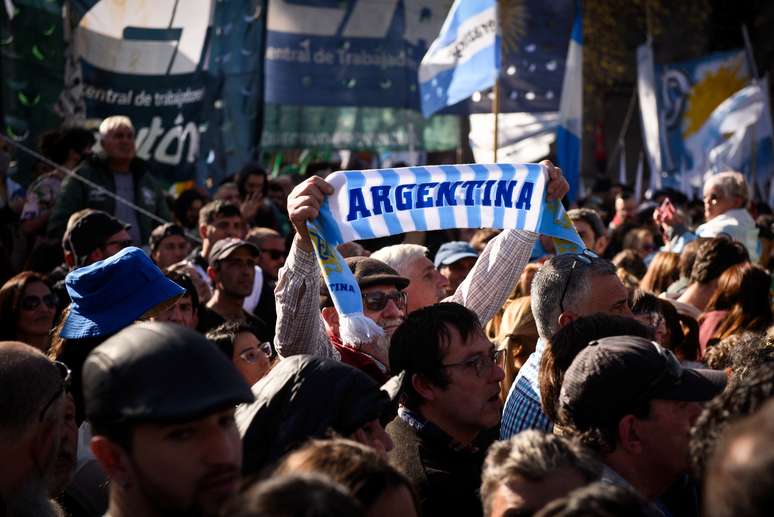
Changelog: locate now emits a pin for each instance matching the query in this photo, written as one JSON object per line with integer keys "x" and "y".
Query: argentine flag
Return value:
{"x": 570, "y": 131}
{"x": 464, "y": 58}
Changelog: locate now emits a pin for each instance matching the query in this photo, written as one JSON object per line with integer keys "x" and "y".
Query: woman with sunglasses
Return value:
{"x": 27, "y": 310}
{"x": 238, "y": 341}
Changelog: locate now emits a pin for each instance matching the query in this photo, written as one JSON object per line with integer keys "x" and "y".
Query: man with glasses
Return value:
{"x": 273, "y": 253}
{"x": 451, "y": 396}
{"x": 567, "y": 287}
{"x": 631, "y": 402}
{"x": 232, "y": 272}
{"x": 32, "y": 411}
{"x": 384, "y": 301}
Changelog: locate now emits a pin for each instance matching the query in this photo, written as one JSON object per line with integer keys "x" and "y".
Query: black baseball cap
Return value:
{"x": 159, "y": 372}
{"x": 613, "y": 376}
{"x": 225, "y": 247}
{"x": 367, "y": 272}
{"x": 162, "y": 232}
{"x": 89, "y": 232}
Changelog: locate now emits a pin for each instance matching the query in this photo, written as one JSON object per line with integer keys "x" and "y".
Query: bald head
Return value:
{"x": 33, "y": 380}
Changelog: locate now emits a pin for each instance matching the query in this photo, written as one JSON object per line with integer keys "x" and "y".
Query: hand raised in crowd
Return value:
{"x": 250, "y": 205}
{"x": 557, "y": 185}
{"x": 304, "y": 203}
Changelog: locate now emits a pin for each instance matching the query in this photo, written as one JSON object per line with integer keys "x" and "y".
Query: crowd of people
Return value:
{"x": 181, "y": 355}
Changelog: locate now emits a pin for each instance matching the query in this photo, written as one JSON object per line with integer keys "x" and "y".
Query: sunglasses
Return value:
{"x": 585, "y": 257}
{"x": 31, "y": 302}
{"x": 377, "y": 300}
{"x": 66, "y": 376}
{"x": 274, "y": 254}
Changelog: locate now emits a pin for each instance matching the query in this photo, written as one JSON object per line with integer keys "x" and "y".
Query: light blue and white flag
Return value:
{"x": 463, "y": 59}
{"x": 650, "y": 116}
{"x": 569, "y": 135}
{"x": 381, "y": 202}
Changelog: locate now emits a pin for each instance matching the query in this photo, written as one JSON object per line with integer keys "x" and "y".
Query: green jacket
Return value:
{"x": 76, "y": 195}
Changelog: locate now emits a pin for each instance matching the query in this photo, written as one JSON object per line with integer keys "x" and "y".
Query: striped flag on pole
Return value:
{"x": 570, "y": 131}
{"x": 464, "y": 58}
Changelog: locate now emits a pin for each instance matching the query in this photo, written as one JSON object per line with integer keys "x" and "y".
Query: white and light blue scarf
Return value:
{"x": 381, "y": 202}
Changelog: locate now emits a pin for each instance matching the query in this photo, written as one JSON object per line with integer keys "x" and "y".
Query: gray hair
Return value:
{"x": 27, "y": 381}
{"x": 532, "y": 455}
{"x": 400, "y": 256}
{"x": 111, "y": 123}
{"x": 590, "y": 217}
{"x": 550, "y": 282}
{"x": 731, "y": 183}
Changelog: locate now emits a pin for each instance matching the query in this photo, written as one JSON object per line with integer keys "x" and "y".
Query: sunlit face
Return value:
{"x": 518, "y": 496}
{"x": 248, "y": 357}
{"x": 427, "y": 286}
{"x": 388, "y": 316}
{"x": 716, "y": 202}
{"x": 223, "y": 227}
{"x": 235, "y": 274}
{"x": 456, "y": 272}
{"x": 585, "y": 232}
{"x": 188, "y": 468}
{"x": 118, "y": 143}
{"x": 272, "y": 256}
{"x": 182, "y": 313}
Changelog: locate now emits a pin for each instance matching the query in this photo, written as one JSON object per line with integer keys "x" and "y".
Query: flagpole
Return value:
{"x": 496, "y": 113}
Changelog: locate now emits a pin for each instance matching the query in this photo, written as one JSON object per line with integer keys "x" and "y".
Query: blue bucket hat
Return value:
{"x": 113, "y": 293}
{"x": 451, "y": 252}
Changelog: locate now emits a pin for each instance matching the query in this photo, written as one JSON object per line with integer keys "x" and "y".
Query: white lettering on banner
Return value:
{"x": 169, "y": 150}
{"x": 100, "y": 37}
{"x": 368, "y": 19}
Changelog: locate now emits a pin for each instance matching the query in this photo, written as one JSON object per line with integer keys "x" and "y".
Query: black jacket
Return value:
{"x": 447, "y": 481}
{"x": 305, "y": 397}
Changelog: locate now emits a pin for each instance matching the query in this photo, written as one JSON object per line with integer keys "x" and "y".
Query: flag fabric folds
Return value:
{"x": 649, "y": 112}
{"x": 570, "y": 131}
{"x": 381, "y": 202}
{"x": 464, "y": 58}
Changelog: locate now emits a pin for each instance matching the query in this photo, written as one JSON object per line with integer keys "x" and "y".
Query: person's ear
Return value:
{"x": 423, "y": 387}
{"x": 113, "y": 460}
{"x": 566, "y": 318}
{"x": 213, "y": 274}
{"x": 600, "y": 245}
{"x": 69, "y": 259}
{"x": 628, "y": 435}
{"x": 203, "y": 231}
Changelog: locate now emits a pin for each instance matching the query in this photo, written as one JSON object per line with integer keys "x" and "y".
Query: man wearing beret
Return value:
{"x": 160, "y": 399}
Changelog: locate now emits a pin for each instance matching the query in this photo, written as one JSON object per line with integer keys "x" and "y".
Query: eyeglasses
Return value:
{"x": 482, "y": 364}
{"x": 31, "y": 302}
{"x": 377, "y": 300}
{"x": 250, "y": 355}
{"x": 66, "y": 375}
{"x": 274, "y": 254}
{"x": 121, "y": 244}
{"x": 584, "y": 257}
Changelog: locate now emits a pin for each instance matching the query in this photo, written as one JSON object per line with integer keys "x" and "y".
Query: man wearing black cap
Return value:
{"x": 168, "y": 244}
{"x": 232, "y": 271}
{"x": 160, "y": 399}
{"x": 94, "y": 236}
{"x": 631, "y": 401}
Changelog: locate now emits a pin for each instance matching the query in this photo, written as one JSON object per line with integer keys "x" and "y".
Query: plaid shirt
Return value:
{"x": 522, "y": 409}
{"x": 300, "y": 328}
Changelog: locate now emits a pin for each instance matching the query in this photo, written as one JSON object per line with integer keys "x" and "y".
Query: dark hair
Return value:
{"x": 217, "y": 208}
{"x": 420, "y": 342}
{"x": 743, "y": 483}
{"x": 185, "y": 281}
{"x": 251, "y": 169}
{"x": 568, "y": 342}
{"x": 590, "y": 217}
{"x": 630, "y": 261}
{"x": 743, "y": 291}
{"x": 56, "y": 145}
{"x": 599, "y": 499}
{"x": 224, "y": 336}
{"x": 741, "y": 397}
{"x": 357, "y": 467}
{"x": 11, "y": 294}
{"x": 715, "y": 256}
{"x": 307, "y": 495}
{"x": 685, "y": 347}
{"x": 183, "y": 203}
